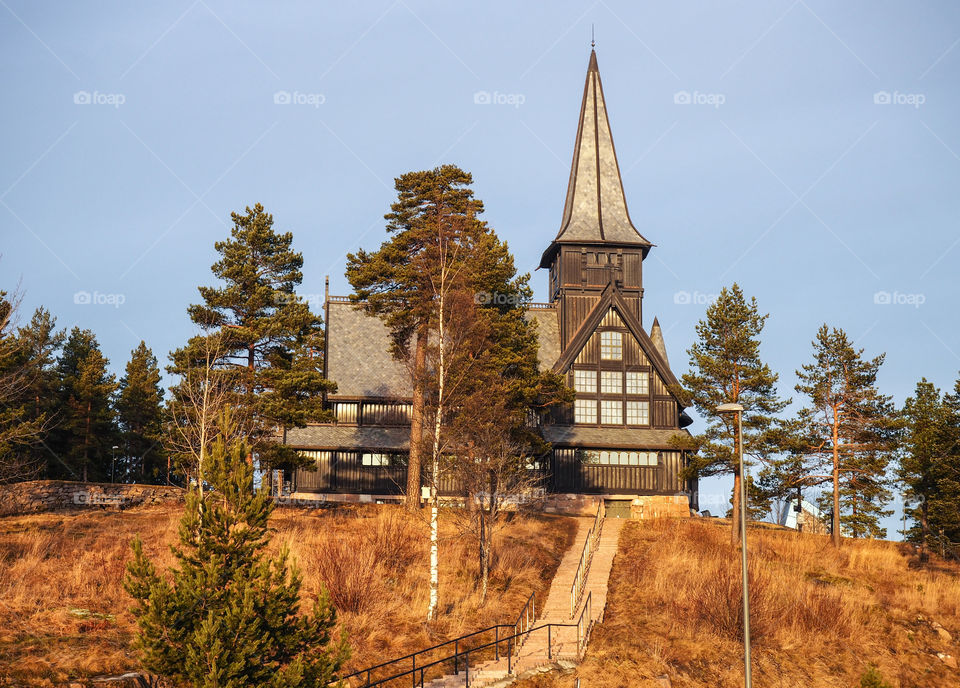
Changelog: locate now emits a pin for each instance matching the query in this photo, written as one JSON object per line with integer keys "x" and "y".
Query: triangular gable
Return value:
{"x": 611, "y": 299}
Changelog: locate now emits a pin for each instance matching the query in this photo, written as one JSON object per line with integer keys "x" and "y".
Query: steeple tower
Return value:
{"x": 597, "y": 243}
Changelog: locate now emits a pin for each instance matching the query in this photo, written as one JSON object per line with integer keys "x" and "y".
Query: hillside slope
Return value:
{"x": 64, "y": 614}
{"x": 820, "y": 617}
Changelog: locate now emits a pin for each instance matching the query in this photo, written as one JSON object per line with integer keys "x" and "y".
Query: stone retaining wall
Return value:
{"x": 52, "y": 495}
{"x": 642, "y": 507}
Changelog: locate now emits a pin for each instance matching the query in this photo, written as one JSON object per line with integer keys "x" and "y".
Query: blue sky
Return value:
{"x": 817, "y": 161}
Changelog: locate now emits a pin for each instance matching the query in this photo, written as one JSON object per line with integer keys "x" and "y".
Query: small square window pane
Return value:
{"x": 611, "y": 346}
{"x": 585, "y": 411}
{"x": 585, "y": 381}
{"x": 611, "y": 382}
{"x": 638, "y": 413}
{"x": 611, "y": 412}
{"x": 638, "y": 383}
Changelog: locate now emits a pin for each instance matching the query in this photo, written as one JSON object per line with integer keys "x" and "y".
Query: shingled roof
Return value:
{"x": 359, "y": 359}
{"x": 595, "y": 211}
{"x": 346, "y": 436}
{"x": 358, "y": 355}
{"x": 620, "y": 438}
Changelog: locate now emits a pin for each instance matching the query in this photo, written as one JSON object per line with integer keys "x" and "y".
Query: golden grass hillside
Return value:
{"x": 820, "y": 616}
{"x": 64, "y": 614}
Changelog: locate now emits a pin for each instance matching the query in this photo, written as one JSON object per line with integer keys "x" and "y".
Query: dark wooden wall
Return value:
{"x": 341, "y": 472}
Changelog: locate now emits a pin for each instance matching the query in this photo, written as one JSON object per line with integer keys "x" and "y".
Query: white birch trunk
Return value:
{"x": 437, "y": 424}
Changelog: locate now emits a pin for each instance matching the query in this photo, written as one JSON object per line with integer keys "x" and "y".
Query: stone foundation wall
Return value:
{"x": 52, "y": 495}
{"x": 641, "y": 507}
{"x": 660, "y": 506}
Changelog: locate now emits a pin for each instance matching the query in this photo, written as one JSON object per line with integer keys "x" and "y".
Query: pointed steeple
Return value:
{"x": 656, "y": 336}
{"x": 595, "y": 211}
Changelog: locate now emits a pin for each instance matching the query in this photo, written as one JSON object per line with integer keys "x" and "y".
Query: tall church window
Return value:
{"x": 611, "y": 346}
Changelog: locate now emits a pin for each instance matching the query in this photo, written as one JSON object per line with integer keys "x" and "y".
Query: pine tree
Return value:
{"x": 848, "y": 433}
{"x": 26, "y": 384}
{"x": 726, "y": 367}
{"x": 229, "y": 617}
{"x": 139, "y": 414}
{"x": 434, "y": 226}
{"x": 87, "y": 433}
{"x": 39, "y": 342}
{"x": 944, "y": 508}
{"x": 271, "y": 344}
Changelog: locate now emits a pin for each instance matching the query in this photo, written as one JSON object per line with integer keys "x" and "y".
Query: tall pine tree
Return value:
{"x": 848, "y": 433}
{"x": 140, "y": 414}
{"x": 726, "y": 367}
{"x": 944, "y": 512}
{"x": 435, "y": 226}
{"x": 229, "y": 616}
{"x": 87, "y": 432}
{"x": 270, "y": 342}
{"x": 27, "y": 383}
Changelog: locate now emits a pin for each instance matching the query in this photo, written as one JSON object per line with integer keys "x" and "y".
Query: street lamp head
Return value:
{"x": 116, "y": 447}
{"x": 729, "y": 408}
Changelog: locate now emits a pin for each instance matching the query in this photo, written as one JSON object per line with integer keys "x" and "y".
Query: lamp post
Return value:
{"x": 738, "y": 409}
{"x": 113, "y": 464}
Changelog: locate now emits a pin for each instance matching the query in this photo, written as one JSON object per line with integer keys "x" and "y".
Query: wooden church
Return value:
{"x": 615, "y": 440}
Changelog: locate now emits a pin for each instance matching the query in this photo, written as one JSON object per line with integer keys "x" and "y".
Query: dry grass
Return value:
{"x": 819, "y": 616}
{"x": 64, "y": 614}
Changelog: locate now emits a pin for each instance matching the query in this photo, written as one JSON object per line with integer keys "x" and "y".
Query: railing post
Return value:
{"x": 414, "y": 671}
{"x": 496, "y": 647}
{"x": 549, "y": 642}
{"x": 510, "y": 655}
{"x": 456, "y": 657}
{"x": 467, "y": 668}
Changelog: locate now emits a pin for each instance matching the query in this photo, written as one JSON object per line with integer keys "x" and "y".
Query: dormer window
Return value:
{"x": 611, "y": 346}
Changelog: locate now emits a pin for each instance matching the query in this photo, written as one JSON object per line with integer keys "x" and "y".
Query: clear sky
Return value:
{"x": 809, "y": 150}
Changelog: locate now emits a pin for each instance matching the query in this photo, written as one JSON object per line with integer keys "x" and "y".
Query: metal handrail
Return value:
{"x": 946, "y": 546}
{"x": 586, "y": 556}
{"x": 583, "y": 626}
{"x": 521, "y": 628}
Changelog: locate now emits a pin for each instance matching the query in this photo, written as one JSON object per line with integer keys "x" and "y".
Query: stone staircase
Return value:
{"x": 533, "y": 654}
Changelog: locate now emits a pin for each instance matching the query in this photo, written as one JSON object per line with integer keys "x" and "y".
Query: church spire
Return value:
{"x": 595, "y": 211}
